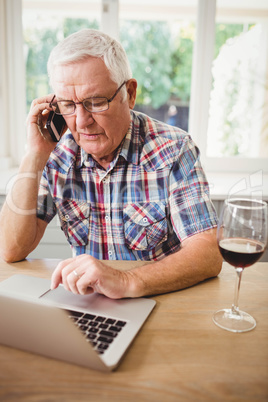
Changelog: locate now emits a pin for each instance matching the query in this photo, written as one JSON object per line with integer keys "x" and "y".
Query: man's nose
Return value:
{"x": 83, "y": 117}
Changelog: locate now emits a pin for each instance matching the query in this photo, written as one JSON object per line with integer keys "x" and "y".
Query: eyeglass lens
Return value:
{"x": 91, "y": 105}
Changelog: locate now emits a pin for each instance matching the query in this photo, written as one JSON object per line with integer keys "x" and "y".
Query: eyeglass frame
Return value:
{"x": 82, "y": 102}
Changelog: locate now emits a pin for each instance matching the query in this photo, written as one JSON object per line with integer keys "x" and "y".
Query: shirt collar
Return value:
{"x": 132, "y": 142}
{"x": 129, "y": 148}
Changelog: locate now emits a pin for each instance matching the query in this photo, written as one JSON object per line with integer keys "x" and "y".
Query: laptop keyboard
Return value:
{"x": 100, "y": 331}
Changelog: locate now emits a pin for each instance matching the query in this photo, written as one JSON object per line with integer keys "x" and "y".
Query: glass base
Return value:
{"x": 234, "y": 321}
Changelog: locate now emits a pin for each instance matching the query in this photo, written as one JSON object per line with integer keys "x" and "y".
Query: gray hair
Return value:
{"x": 91, "y": 42}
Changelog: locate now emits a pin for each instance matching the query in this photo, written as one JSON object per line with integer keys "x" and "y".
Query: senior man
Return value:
{"x": 125, "y": 186}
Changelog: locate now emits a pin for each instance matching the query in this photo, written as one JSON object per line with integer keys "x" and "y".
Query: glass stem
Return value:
{"x": 235, "y": 308}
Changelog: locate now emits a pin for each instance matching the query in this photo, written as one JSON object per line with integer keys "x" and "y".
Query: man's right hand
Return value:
{"x": 39, "y": 141}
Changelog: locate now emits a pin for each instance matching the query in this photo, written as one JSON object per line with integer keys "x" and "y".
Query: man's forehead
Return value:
{"x": 91, "y": 66}
{"x": 82, "y": 80}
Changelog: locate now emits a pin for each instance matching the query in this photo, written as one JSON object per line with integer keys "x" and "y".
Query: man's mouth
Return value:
{"x": 90, "y": 136}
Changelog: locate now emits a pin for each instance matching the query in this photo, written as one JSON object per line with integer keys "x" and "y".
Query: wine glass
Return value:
{"x": 242, "y": 237}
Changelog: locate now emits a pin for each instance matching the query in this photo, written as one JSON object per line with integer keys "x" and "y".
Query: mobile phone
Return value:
{"x": 55, "y": 125}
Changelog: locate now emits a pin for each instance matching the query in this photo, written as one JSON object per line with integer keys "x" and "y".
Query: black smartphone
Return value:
{"x": 55, "y": 125}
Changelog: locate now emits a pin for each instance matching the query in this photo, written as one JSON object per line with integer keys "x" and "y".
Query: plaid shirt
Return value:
{"x": 153, "y": 195}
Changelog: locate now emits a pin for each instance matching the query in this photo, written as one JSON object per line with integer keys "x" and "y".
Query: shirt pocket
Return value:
{"x": 74, "y": 217}
{"x": 145, "y": 225}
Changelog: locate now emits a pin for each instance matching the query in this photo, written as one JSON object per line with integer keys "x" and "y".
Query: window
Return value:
{"x": 237, "y": 102}
{"x": 159, "y": 43}
{"x": 230, "y": 85}
{"x": 177, "y": 50}
{"x": 43, "y": 29}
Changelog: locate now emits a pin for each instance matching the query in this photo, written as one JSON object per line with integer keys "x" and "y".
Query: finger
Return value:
{"x": 38, "y": 113}
{"x": 65, "y": 276}
{"x": 38, "y": 107}
{"x": 73, "y": 279}
{"x": 86, "y": 291}
{"x": 56, "y": 277}
{"x": 43, "y": 100}
{"x": 63, "y": 271}
{"x": 84, "y": 288}
{"x": 86, "y": 284}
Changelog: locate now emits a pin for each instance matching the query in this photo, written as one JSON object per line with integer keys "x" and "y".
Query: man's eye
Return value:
{"x": 99, "y": 102}
{"x": 66, "y": 104}
{"x": 95, "y": 103}
{"x": 87, "y": 103}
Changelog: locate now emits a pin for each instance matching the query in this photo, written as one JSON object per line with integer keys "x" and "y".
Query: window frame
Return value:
{"x": 12, "y": 84}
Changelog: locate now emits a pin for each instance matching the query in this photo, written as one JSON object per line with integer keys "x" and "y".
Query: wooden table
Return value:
{"x": 179, "y": 355}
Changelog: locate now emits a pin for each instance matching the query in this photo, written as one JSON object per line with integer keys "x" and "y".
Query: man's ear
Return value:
{"x": 131, "y": 86}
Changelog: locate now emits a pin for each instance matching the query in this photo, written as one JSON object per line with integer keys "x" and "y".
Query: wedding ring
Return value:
{"x": 76, "y": 274}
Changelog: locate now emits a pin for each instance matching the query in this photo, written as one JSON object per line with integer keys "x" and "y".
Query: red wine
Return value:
{"x": 241, "y": 252}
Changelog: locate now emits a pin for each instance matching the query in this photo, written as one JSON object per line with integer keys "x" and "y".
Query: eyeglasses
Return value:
{"x": 93, "y": 105}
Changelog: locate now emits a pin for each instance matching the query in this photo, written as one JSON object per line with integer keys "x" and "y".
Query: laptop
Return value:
{"x": 88, "y": 330}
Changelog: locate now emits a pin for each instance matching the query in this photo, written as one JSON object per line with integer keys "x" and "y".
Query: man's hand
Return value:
{"x": 197, "y": 260}
{"x": 85, "y": 274}
{"x": 38, "y": 137}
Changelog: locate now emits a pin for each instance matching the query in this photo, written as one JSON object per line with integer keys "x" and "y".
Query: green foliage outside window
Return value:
{"x": 161, "y": 62}
{"x": 149, "y": 50}
{"x": 233, "y": 110}
{"x": 161, "y": 66}
{"x": 38, "y": 45}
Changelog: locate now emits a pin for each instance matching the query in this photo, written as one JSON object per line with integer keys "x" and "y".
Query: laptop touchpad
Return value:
{"x": 63, "y": 298}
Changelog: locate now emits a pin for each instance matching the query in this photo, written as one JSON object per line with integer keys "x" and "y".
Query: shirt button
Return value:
{"x": 145, "y": 220}
{"x": 107, "y": 218}
{"x": 67, "y": 217}
{"x": 110, "y": 252}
